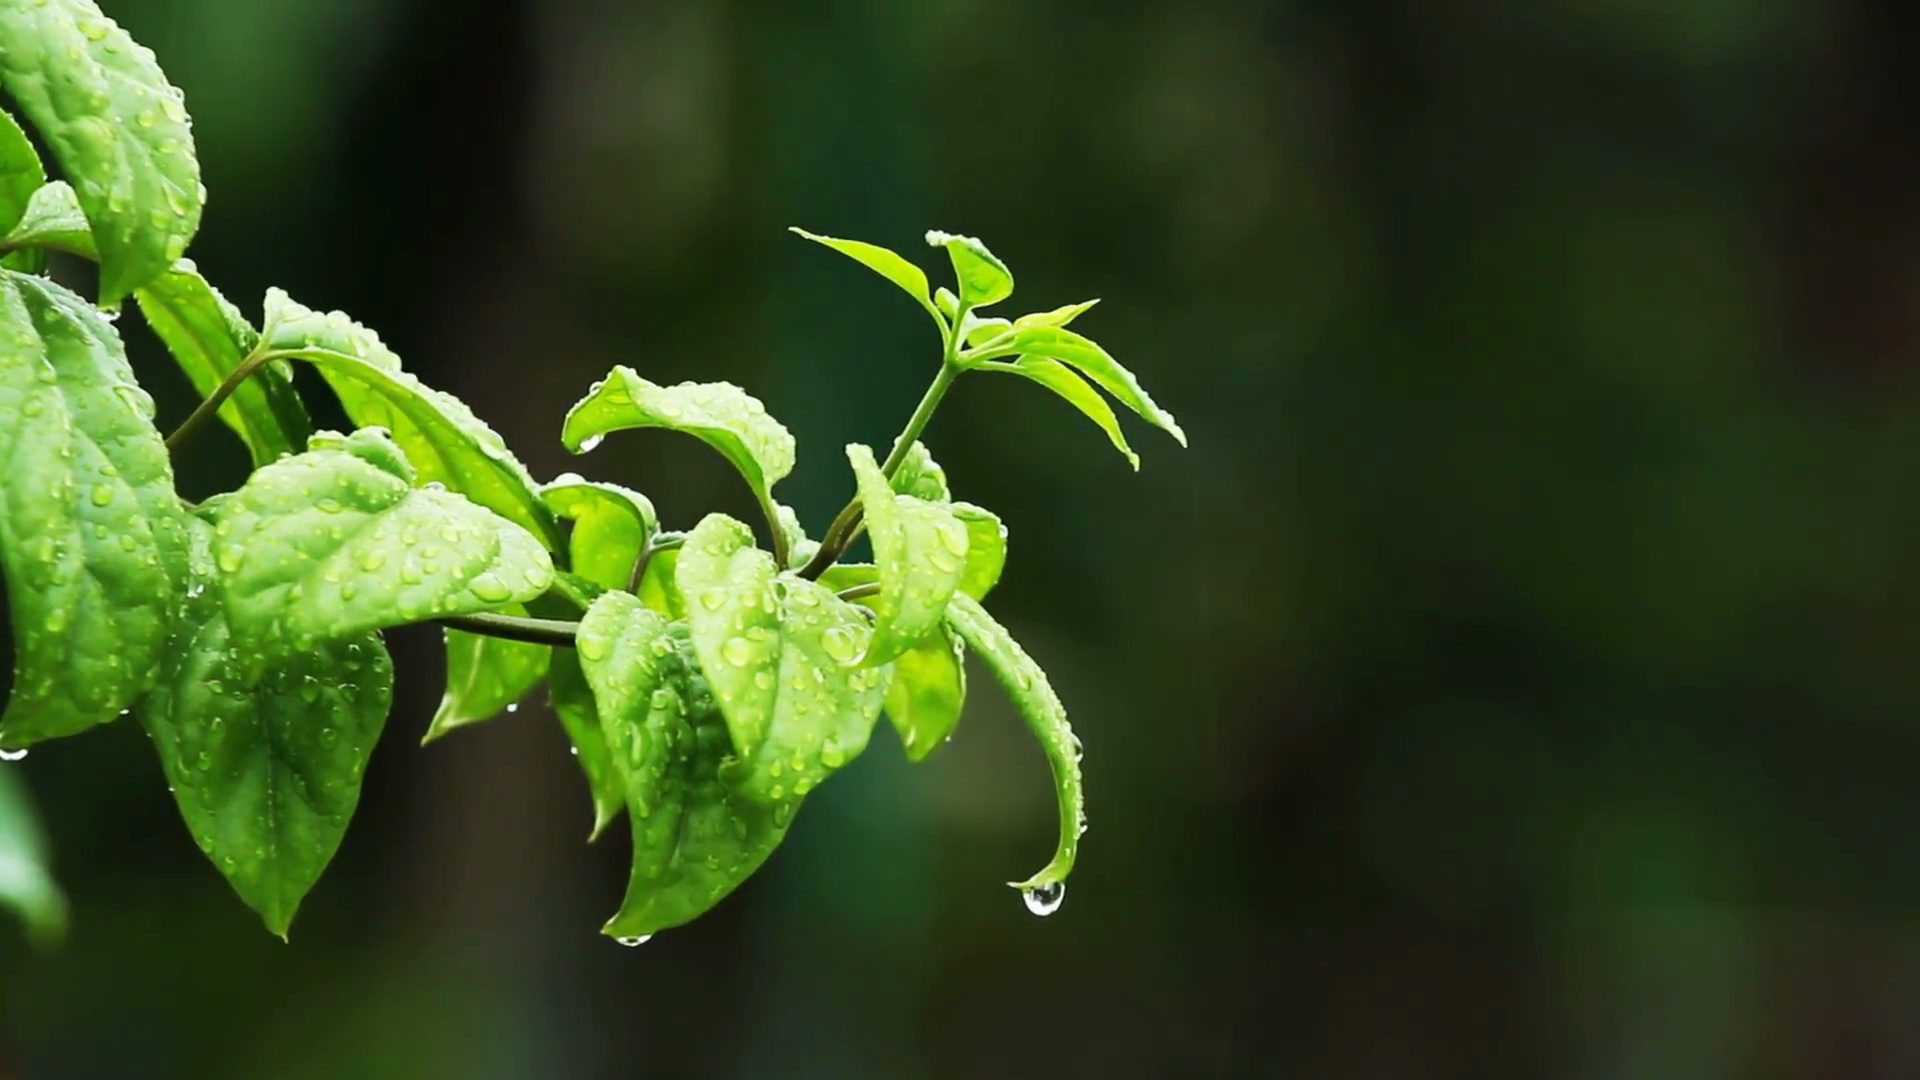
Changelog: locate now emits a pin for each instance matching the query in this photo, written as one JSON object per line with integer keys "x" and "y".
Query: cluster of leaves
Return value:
{"x": 707, "y": 683}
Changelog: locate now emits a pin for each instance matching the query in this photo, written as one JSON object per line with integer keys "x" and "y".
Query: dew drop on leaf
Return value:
{"x": 1044, "y": 899}
{"x": 631, "y": 942}
{"x": 737, "y": 651}
{"x": 13, "y": 755}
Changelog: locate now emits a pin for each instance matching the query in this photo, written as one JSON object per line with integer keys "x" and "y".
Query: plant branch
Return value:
{"x": 860, "y": 592}
{"x": 200, "y": 416}
{"x": 776, "y": 535}
{"x": 659, "y": 543}
{"x": 515, "y": 627}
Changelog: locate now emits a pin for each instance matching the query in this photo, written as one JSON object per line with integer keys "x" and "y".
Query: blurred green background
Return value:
{"x": 1516, "y": 678}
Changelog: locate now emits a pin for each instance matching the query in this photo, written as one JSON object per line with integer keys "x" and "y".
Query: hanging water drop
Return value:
{"x": 1044, "y": 899}
{"x": 13, "y": 755}
{"x": 586, "y": 445}
{"x": 631, "y": 942}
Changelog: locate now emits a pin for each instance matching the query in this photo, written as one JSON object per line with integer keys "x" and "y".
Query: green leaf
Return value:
{"x": 576, "y": 590}
{"x": 986, "y": 549}
{"x": 572, "y": 700}
{"x": 775, "y": 649}
{"x": 209, "y": 338}
{"x": 1027, "y": 685}
{"x": 90, "y": 522}
{"x": 920, "y": 476}
{"x": 978, "y": 331}
{"x": 947, "y": 303}
{"x": 1067, "y": 383}
{"x": 722, "y": 415}
{"x": 117, "y": 128}
{"x": 1093, "y": 362}
{"x": 265, "y": 766}
{"x": 26, "y": 881}
{"x": 485, "y": 675}
{"x": 444, "y": 440}
{"x": 610, "y": 526}
{"x": 659, "y": 588}
{"x": 20, "y": 172}
{"x": 53, "y": 220}
{"x": 929, "y": 687}
{"x": 921, "y": 550}
{"x": 800, "y": 548}
{"x": 336, "y": 541}
{"x": 887, "y": 263}
{"x": 1059, "y": 316}
{"x": 983, "y": 279}
{"x": 694, "y": 838}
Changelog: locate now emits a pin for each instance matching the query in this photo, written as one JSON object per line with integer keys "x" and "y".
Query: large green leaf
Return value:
{"x": 209, "y": 338}
{"x": 921, "y": 550}
{"x": 694, "y": 838}
{"x": 983, "y": 279}
{"x": 485, "y": 675}
{"x": 336, "y": 541}
{"x": 929, "y": 687}
{"x": 722, "y": 415}
{"x": 89, "y": 523}
{"x": 20, "y": 172}
{"x": 117, "y": 127}
{"x": 887, "y": 263}
{"x": 444, "y": 440}
{"x": 610, "y": 526}
{"x": 986, "y": 549}
{"x": 572, "y": 700}
{"x": 776, "y": 650}
{"x": 1079, "y": 393}
{"x": 1027, "y": 685}
{"x": 1092, "y": 361}
{"x": 26, "y": 882}
{"x": 265, "y": 765}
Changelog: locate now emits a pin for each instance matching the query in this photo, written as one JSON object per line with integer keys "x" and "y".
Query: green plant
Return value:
{"x": 708, "y": 683}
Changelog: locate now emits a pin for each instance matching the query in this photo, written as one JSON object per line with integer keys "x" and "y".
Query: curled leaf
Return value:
{"x": 921, "y": 550}
{"x": 983, "y": 279}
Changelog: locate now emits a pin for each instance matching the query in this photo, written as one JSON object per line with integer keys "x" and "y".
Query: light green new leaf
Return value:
{"x": 722, "y": 415}
{"x": 209, "y": 338}
{"x": 1092, "y": 361}
{"x": 265, "y": 766}
{"x": 90, "y": 522}
{"x": 1027, "y": 685}
{"x": 776, "y": 650}
{"x": 929, "y": 688}
{"x": 694, "y": 838}
{"x": 444, "y": 440}
{"x": 921, "y": 550}
{"x": 20, "y": 172}
{"x": 975, "y": 330}
{"x": 1059, "y": 316}
{"x": 610, "y": 526}
{"x": 485, "y": 675}
{"x": 947, "y": 303}
{"x": 572, "y": 700}
{"x": 336, "y": 541}
{"x": 885, "y": 262}
{"x": 986, "y": 549}
{"x": 983, "y": 279}
{"x": 800, "y": 547}
{"x": 117, "y": 127}
{"x": 920, "y": 476}
{"x": 26, "y": 882}
{"x": 659, "y": 587}
{"x": 1078, "y": 392}
{"x": 53, "y": 220}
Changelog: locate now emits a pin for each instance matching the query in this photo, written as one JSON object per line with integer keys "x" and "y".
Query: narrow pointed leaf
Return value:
{"x": 921, "y": 550}
{"x": 485, "y": 676}
{"x": 1059, "y": 316}
{"x": 975, "y": 330}
{"x": 116, "y": 126}
{"x": 572, "y": 699}
{"x": 1068, "y": 383}
{"x": 336, "y": 541}
{"x": 986, "y": 549}
{"x": 1027, "y": 685}
{"x": 776, "y": 651}
{"x": 929, "y": 687}
{"x": 982, "y": 278}
{"x": 610, "y": 526}
{"x": 90, "y": 522}
{"x": 920, "y": 476}
{"x": 885, "y": 262}
{"x": 20, "y": 172}
{"x": 209, "y": 338}
{"x": 722, "y": 415}
{"x": 1092, "y": 361}
{"x": 26, "y": 881}
{"x": 694, "y": 838}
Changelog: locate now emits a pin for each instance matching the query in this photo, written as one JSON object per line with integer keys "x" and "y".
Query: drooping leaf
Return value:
{"x": 722, "y": 415}
{"x": 929, "y": 687}
{"x": 888, "y": 264}
{"x": 26, "y": 881}
{"x": 1059, "y": 316}
{"x": 610, "y": 526}
{"x": 1067, "y": 383}
{"x": 921, "y": 550}
{"x": 920, "y": 476}
{"x": 117, "y": 127}
{"x": 53, "y": 220}
{"x": 1027, "y": 685}
{"x": 20, "y": 172}
{"x": 982, "y": 278}
{"x": 209, "y": 338}
{"x": 485, "y": 675}
{"x": 694, "y": 838}
{"x": 265, "y": 766}
{"x": 986, "y": 549}
{"x": 336, "y": 541}
{"x": 776, "y": 650}
{"x": 90, "y": 522}
{"x": 572, "y": 700}
{"x": 1092, "y": 361}
{"x": 444, "y": 440}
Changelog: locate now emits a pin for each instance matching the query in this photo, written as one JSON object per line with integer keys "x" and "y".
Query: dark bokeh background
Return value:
{"x": 1516, "y": 678}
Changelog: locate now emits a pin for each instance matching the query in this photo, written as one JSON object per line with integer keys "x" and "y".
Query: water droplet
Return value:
{"x": 490, "y": 589}
{"x": 839, "y": 643}
{"x": 513, "y": 707}
{"x": 953, "y": 537}
{"x": 591, "y": 648}
{"x": 229, "y": 560}
{"x": 13, "y": 755}
{"x": 737, "y": 652}
{"x": 102, "y": 494}
{"x": 1044, "y": 899}
{"x": 631, "y": 942}
{"x": 712, "y": 599}
{"x": 328, "y": 506}
{"x": 373, "y": 560}
{"x": 586, "y": 445}
{"x": 763, "y": 679}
